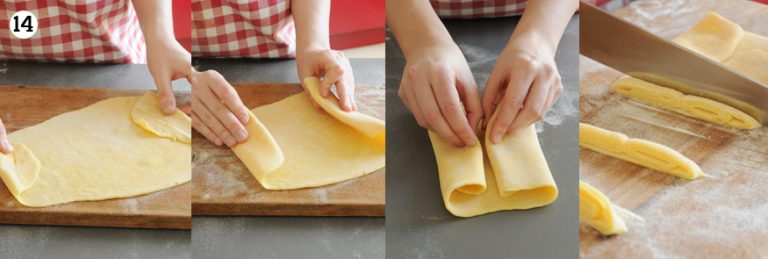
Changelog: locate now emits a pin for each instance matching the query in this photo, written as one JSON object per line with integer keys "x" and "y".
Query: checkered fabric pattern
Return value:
{"x": 467, "y": 9}
{"x": 243, "y": 28}
{"x": 90, "y": 31}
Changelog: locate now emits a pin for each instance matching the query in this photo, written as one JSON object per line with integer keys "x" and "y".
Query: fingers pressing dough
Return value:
{"x": 597, "y": 211}
{"x": 642, "y": 152}
{"x": 370, "y": 126}
{"x": 688, "y": 105}
{"x": 177, "y": 126}
{"x": 513, "y": 175}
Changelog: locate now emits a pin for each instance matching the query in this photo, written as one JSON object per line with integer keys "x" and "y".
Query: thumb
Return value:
{"x": 165, "y": 94}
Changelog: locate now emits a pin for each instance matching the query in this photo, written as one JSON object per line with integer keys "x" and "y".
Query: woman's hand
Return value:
{"x": 439, "y": 89}
{"x": 5, "y": 145}
{"x": 217, "y": 111}
{"x": 334, "y": 69}
{"x": 166, "y": 58}
{"x": 523, "y": 84}
{"x": 167, "y": 61}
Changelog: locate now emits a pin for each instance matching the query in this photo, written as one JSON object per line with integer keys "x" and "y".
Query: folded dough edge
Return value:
{"x": 19, "y": 170}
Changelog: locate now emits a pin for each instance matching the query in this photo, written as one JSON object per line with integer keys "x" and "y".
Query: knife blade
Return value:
{"x": 632, "y": 50}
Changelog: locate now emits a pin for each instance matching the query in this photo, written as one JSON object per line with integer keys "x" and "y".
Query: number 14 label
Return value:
{"x": 23, "y": 24}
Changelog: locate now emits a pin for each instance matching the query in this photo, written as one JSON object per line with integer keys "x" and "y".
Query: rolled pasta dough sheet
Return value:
{"x": 688, "y": 105}
{"x": 94, "y": 153}
{"x": 319, "y": 147}
{"x": 723, "y": 41}
{"x": 596, "y": 210}
{"x": 512, "y": 175}
{"x": 638, "y": 151}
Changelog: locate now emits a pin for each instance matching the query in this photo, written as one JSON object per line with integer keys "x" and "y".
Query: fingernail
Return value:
{"x": 244, "y": 118}
{"x": 347, "y": 104}
{"x": 242, "y": 135}
{"x": 7, "y": 145}
{"x": 168, "y": 106}
{"x": 496, "y": 138}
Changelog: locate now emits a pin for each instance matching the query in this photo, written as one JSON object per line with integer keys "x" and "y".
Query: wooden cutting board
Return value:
{"x": 724, "y": 217}
{"x": 21, "y": 107}
{"x": 222, "y": 185}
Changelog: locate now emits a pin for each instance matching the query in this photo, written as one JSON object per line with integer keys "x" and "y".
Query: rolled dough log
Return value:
{"x": 319, "y": 147}
{"x": 94, "y": 153}
{"x": 597, "y": 211}
{"x": 688, "y": 105}
{"x": 638, "y": 151}
{"x": 514, "y": 174}
{"x": 723, "y": 41}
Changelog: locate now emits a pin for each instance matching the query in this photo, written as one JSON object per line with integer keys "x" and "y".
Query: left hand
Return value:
{"x": 524, "y": 84}
{"x": 333, "y": 69}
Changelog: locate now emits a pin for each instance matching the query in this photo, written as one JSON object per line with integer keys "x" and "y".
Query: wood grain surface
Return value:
{"x": 223, "y": 186}
{"x": 724, "y": 217}
{"x": 21, "y": 107}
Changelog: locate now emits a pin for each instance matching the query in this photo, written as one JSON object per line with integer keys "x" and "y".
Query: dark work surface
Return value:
{"x": 132, "y": 76}
{"x": 19, "y": 241}
{"x": 419, "y": 226}
{"x": 286, "y": 237}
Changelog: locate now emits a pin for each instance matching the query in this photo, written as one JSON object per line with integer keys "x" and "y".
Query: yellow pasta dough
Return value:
{"x": 174, "y": 126}
{"x": 260, "y": 153}
{"x": 714, "y": 37}
{"x": 512, "y": 175}
{"x": 723, "y": 41}
{"x": 689, "y": 105}
{"x": 642, "y": 152}
{"x": 319, "y": 147}
{"x": 94, "y": 153}
{"x": 597, "y": 211}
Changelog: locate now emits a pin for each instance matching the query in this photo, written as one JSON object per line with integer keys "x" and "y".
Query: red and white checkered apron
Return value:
{"x": 91, "y": 31}
{"x": 468, "y": 9}
{"x": 243, "y": 28}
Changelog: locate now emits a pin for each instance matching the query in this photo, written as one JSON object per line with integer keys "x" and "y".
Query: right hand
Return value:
{"x": 217, "y": 111}
{"x": 5, "y": 146}
{"x": 439, "y": 89}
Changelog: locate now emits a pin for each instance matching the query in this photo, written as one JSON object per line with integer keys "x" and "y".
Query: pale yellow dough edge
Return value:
{"x": 638, "y": 151}
{"x": 596, "y": 210}
{"x": 688, "y": 105}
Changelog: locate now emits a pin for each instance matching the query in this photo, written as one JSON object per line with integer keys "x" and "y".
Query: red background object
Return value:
{"x": 356, "y": 23}
{"x": 182, "y": 22}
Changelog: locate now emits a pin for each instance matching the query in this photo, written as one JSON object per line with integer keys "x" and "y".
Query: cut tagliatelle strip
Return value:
{"x": 597, "y": 211}
{"x": 642, "y": 152}
{"x": 317, "y": 147}
{"x": 688, "y": 105}
{"x": 513, "y": 175}
{"x": 95, "y": 153}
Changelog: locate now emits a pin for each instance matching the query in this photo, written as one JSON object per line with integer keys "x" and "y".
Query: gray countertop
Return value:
{"x": 18, "y": 241}
{"x": 419, "y": 226}
{"x": 287, "y": 237}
